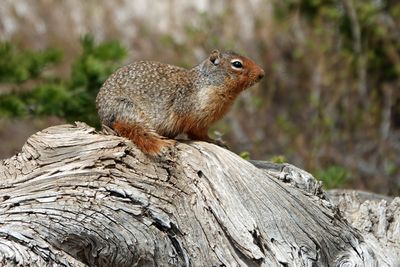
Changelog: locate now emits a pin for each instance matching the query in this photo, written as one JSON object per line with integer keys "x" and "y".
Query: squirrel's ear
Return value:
{"x": 215, "y": 57}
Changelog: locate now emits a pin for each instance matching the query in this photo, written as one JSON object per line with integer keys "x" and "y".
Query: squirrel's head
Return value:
{"x": 232, "y": 69}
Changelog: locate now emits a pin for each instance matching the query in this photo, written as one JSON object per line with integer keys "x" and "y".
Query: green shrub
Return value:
{"x": 19, "y": 66}
{"x": 245, "y": 155}
{"x": 278, "y": 159}
{"x": 333, "y": 177}
{"x": 72, "y": 99}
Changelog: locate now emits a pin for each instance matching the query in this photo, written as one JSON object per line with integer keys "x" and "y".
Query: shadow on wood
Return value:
{"x": 74, "y": 197}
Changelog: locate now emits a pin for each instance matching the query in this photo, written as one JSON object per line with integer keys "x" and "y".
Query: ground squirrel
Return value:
{"x": 152, "y": 102}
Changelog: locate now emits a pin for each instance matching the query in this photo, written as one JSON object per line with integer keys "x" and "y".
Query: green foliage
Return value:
{"x": 73, "y": 98}
{"x": 17, "y": 66}
{"x": 245, "y": 155}
{"x": 12, "y": 106}
{"x": 47, "y": 99}
{"x": 278, "y": 159}
{"x": 333, "y": 176}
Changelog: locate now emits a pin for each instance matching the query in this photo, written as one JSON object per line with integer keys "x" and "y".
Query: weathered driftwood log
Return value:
{"x": 74, "y": 197}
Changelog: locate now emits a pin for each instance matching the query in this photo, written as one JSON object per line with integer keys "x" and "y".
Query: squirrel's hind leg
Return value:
{"x": 145, "y": 139}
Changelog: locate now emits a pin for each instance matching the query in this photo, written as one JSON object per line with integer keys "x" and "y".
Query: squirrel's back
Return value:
{"x": 149, "y": 99}
{"x": 144, "y": 82}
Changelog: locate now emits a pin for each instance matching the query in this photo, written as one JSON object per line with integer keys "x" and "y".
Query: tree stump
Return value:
{"x": 76, "y": 197}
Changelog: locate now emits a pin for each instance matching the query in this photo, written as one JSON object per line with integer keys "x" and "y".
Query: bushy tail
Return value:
{"x": 145, "y": 139}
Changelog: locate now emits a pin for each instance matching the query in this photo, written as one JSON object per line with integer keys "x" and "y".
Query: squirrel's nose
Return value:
{"x": 261, "y": 75}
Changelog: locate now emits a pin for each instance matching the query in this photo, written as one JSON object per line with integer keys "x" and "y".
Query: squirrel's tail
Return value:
{"x": 145, "y": 139}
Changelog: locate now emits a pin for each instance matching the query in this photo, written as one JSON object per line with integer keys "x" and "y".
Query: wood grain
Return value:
{"x": 75, "y": 197}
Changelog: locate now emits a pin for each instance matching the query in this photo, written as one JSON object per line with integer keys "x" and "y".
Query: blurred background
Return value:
{"x": 329, "y": 103}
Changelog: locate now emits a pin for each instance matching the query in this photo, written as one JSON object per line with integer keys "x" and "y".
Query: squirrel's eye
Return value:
{"x": 237, "y": 64}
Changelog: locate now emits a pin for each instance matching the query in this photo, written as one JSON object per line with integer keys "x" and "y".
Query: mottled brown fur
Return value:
{"x": 148, "y": 102}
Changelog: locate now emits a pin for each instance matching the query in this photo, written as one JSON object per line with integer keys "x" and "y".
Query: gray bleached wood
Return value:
{"x": 74, "y": 197}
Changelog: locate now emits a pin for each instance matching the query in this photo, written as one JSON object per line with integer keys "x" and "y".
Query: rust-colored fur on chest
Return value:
{"x": 216, "y": 106}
